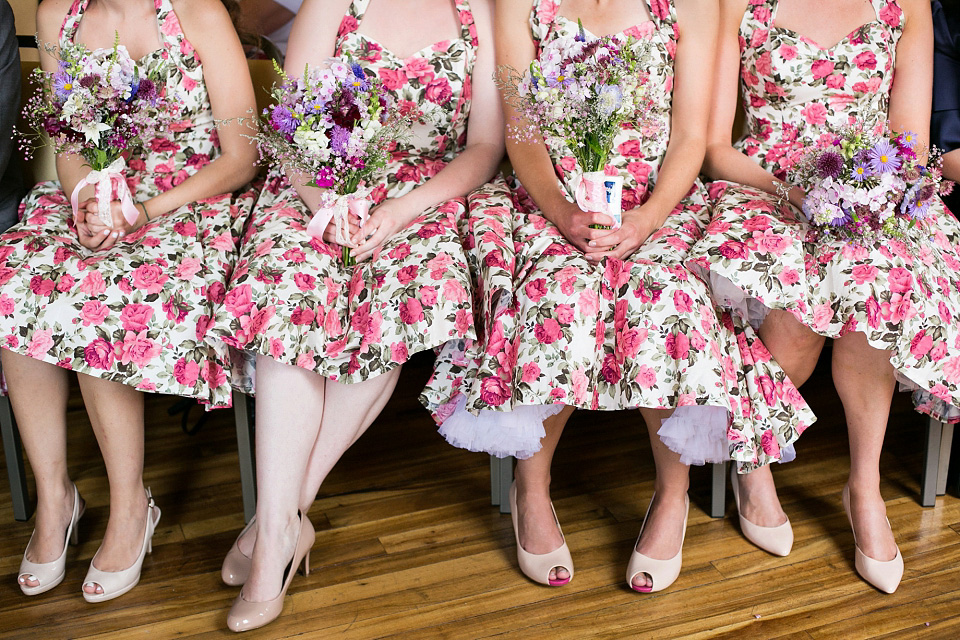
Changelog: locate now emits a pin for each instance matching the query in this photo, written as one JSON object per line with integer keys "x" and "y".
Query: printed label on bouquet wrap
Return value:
{"x": 599, "y": 192}
{"x": 106, "y": 182}
{"x": 335, "y": 207}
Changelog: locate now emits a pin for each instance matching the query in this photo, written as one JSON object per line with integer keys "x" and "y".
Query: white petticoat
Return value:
{"x": 500, "y": 433}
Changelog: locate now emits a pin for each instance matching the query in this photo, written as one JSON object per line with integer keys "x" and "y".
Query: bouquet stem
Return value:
{"x": 348, "y": 260}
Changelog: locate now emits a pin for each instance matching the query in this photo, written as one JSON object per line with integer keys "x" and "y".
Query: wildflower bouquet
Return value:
{"x": 579, "y": 93}
{"x": 337, "y": 125}
{"x": 863, "y": 187}
{"x": 100, "y": 105}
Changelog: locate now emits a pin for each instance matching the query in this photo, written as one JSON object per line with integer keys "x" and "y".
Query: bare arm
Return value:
{"x": 531, "y": 161}
{"x": 910, "y": 96}
{"x": 723, "y": 161}
{"x": 693, "y": 70}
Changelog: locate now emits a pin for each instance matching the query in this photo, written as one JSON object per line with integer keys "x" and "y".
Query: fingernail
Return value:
{"x": 592, "y": 243}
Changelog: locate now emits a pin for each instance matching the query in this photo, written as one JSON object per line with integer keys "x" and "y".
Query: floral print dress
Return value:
{"x": 903, "y": 295}
{"x": 643, "y": 332}
{"x": 139, "y": 312}
{"x": 291, "y": 297}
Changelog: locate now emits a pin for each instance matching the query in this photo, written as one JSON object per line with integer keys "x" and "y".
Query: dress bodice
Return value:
{"x": 793, "y": 88}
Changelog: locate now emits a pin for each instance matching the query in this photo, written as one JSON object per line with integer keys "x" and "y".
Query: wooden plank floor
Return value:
{"x": 409, "y": 546}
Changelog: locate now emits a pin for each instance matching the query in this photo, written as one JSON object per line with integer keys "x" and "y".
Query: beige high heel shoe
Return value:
{"x": 537, "y": 566}
{"x": 777, "y": 540}
{"x": 885, "y": 575}
{"x": 236, "y": 565}
{"x": 662, "y": 573}
{"x": 245, "y": 615}
{"x": 50, "y": 574}
{"x": 117, "y": 583}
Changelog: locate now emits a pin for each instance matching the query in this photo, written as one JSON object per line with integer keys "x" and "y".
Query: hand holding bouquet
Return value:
{"x": 101, "y": 104}
{"x": 336, "y": 125}
{"x": 864, "y": 187}
{"x": 579, "y": 93}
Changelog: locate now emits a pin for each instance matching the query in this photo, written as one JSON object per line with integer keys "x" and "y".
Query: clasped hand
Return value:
{"x": 382, "y": 224}
{"x": 97, "y": 236}
{"x": 596, "y": 244}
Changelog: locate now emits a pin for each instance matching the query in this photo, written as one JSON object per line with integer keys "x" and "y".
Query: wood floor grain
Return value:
{"x": 409, "y": 547}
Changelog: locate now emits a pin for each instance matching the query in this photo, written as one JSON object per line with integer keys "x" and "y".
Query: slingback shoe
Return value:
{"x": 885, "y": 575}
{"x": 662, "y": 573}
{"x": 50, "y": 574}
{"x": 117, "y": 583}
{"x": 245, "y": 615}
{"x": 236, "y": 565}
{"x": 777, "y": 540}
{"x": 537, "y": 566}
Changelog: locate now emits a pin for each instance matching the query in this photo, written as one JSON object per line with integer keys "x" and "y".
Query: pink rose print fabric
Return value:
{"x": 904, "y": 295}
{"x": 557, "y": 330}
{"x": 139, "y": 313}
{"x": 292, "y": 299}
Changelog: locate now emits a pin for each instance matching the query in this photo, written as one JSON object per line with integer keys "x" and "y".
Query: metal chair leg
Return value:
{"x": 16, "y": 473}
{"x": 946, "y": 445}
{"x": 248, "y": 466}
{"x": 931, "y": 463}
{"x": 718, "y": 490}
{"x": 501, "y": 477}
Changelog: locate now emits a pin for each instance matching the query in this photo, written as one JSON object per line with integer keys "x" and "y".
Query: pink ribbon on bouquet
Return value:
{"x": 335, "y": 207}
{"x": 104, "y": 182}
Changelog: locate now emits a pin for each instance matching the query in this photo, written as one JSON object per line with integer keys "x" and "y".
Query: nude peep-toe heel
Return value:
{"x": 245, "y": 615}
{"x": 236, "y": 565}
{"x": 662, "y": 573}
{"x": 777, "y": 540}
{"x": 885, "y": 575}
{"x": 537, "y": 566}
{"x": 50, "y": 574}
{"x": 117, "y": 583}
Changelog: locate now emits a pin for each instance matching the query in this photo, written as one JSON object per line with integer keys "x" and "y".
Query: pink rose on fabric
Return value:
{"x": 399, "y": 352}
{"x": 822, "y": 69}
{"x": 65, "y": 283}
{"x": 787, "y": 52}
{"x": 814, "y": 113}
{"x": 836, "y": 81}
{"x": 920, "y": 345}
{"x": 135, "y": 317}
{"x": 408, "y": 173}
{"x": 304, "y": 282}
{"x": 186, "y": 373}
{"x": 407, "y": 274}
{"x": 203, "y": 324}
{"x": 758, "y": 37}
{"x": 646, "y": 377}
{"x": 392, "y": 79}
{"x": 419, "y": 68}
{"x": 640, "y": 171}
{"x": 769, "y": 443}
{"x": 99, "y": 354}
{"x": 589, "y": 303}
{"x": 546, "y": 11}
{"x": 757, "y": 223}
{"x": 733, "y": 250}
{"x": 188, "y": 268}
{"x": 770, "y": 242}
{"x": 494, "y": 391}
{"x": 564, "y": 313}
{"x": 631, "y": 149}
{"x": 302, "y": 316}
{"x": 891, "y": 14}
{"x": 863, "y": 273}
{"x": 428, "y": 296}
{"x": 866, "y": 60}
{"x": 138, "y": 349}
{"x": 548, "y": 331}
{"x": 213, "y": 374}
{"x": 462, "y": 321}
{"x": 411, "y": 311}
{"x": 530, "y": 372}
{"x": 789, "y": 276}
{"x": 149, "y": 277}
{"x": 610, "y": 370}
{"x": 939, "y": 351}
{"x": 454, "y": 291}
{"x": 42, "y": 286}
{"x": 307, "y": 360}
{"x": 682, "y": 301}
{"x": 239, "y": 300}
{"x": 276, "y": 348}
{"x": 536, "y": 289}
{"x": 438, "y": 91}
{"x": 7, "y": 305}
{"x": 900, "y": 280}
{"x": 216, "y": 292}
{"x": 93, "y": 312}
{"x": 185, "y": 228}
{"x": 822, "y": 316}
{"x": 678, "y": 346}
{"x": 40, "y": 342}
{"x": 873, "y": 312}
{"x": 951, "y": 370}
{"x": 349, "y": 24}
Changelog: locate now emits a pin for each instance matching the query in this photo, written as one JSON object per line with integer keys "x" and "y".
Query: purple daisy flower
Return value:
{"x": 861, "y": 171}
{"x": 283, "y": 121}
{"x": 63, "y": 85}
{"x": 884, "y": 158}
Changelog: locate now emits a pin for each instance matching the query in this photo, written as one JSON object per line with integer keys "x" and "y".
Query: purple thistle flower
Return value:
{"x": 829, "y": 164}
{"x": 148, "y": 90}
{"x": 884, "y": 158}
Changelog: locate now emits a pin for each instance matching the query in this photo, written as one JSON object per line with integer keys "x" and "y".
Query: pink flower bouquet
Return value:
{"x": 336, "y": 125}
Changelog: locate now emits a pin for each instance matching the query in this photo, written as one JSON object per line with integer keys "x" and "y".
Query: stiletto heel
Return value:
{"x": 117, "y": 583}
{"x": 885, "y": 575}
{"x": 245, "y": 615}
{"x": 537, "y": 566}
{"x": 236, "y": 565}
{"x": 662, "y": 573}
{"x": 50, "y": 574}
{"x": 777, "y": 540}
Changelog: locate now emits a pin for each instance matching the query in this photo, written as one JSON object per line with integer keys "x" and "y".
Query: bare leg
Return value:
{"x": 664, "y": 527}
{"x": 796, "y": 349}
{"x": 538, "y": 528}
{"x": 290, "y": 402}
{"x": 116, "y": 413}
{"x": 865, "y": 381}
{"x": 347, "y": 411}
{"x": 43, "y": 430}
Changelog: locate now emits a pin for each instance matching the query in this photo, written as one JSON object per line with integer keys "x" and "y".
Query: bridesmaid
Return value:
{"x": 577, "y": 317}
{"x": 892, "y": 308}
{"x": 330, "y": 340}
{"x": 128, "y": 308}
